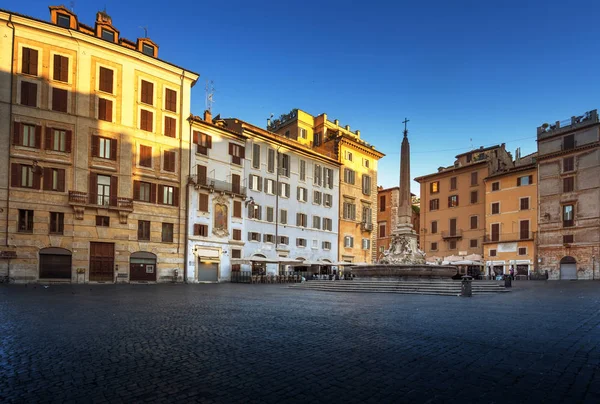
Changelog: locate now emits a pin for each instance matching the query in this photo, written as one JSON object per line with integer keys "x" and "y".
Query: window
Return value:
{"x": 452, "y": 245}
{"x": 474, "y": 178}
{"x": 27, "y": 135}
{"x": 254, "y": 212}
{"x": 326, "y": 245}
{"x": 57, "y": 222}
{"x": 473, "y": 243}
{"x": 108, "y": 35}
{"x": 287, "y": 134}
{"x": 302, "y": 133}
{"x": 145, "y": 156}
{"x": 327, "y": 224}
{"x": 367, "y": 215}
{"x": 568, "y": 164}
{"x": 270, "y": 214}
{"x": 29, "y": 63}
{"x": 496, "y": 186}
{"x": 143, "y": 230}
{"x": 317, "y": 197}
{"x": 434, "y": 246}
{"x": 452, "y": 230}
{"x": 495, "y": 232}
{"x": 63, "y": 20}
{"x": 201, "y": 230}
{"x": 270, "y": 186}
{"x": 28, "y": 94}
{"x": 366, "y": 244}
{"x": 144, "y": 191}
{"x": 170, "y": 100}
{"x": 301, "y": 242}
{"x": 382, "y": 229}
{"x": 58, "y": 140}
{"x": 271, "y": 160}
{"x": 102, "y": 221}
{"x": 169, "y": 161}
{"x": 348, "y": 241}
{"x": 434, "y": 204}
{"x": 348, "y": 156}
{"x": 61, "y": 68}
{"x": 349, "y": 211}
{"x": 255, "y": 182}
{"x": 237, "y": 235}
{"x": 327, "y": 200}
{"x": 522, "y": 251}
{"x": 203, "y": 202}
{"x": 237, "y": 153}
{"x": 148, "y": 49}
{"x": 301, "y": 220}
{"x": 474, "y": 197}
{"x": 253, "y": 236}
{"x": 104, "y": 148}
{"x": 146, "y": 118}
{"x": 25, "y": 221}
{"x": 302, "y": 194}
{"x": 103, "y": 182}
{"x": 382, "y": 203}
{"x": 453, "y": 184}
{"x": 202, "y": 178}
{"x": 453, "y": 201}
{"x": 147, "y": 92}
{"x": 526, "y": 180}
{"x": 568, "y": 184}
{"x": 269, "y": 238}
{"x": 105, "y": 110}
{"x": 285, "y": 165}
{"x": 317, "y": 174}
{"x": 255, "y": 156}
{"x": 474, "y": 222}
{"x": 328, "y": 177}
{"x": 569, "y": 142}
{"x": 285, "y": 240}
{"x": 235, "y": 253}
{"x": 567, "y": 239}
{"x": 366, "y": 163}
{"x": 283, "y": 216}
{"x": 302, "y": 170}
{"x": 568, "y": 215}
{"x": 434, "y": 227}
{"x": 524, "y": 203}
{"x": 492, "y": 253}
{"x": 106, "y": 80}
{"x": 169, "y": 195}
{"x": 366, "y": 184}
{"x": 237, "y": 209}
{"x": 59, "y": 100}
{"x": 434, "y": 187}
{"x": 167, "y": 232}
{"x": 316, "y": 222}
{"x": 54, "y": 179}
{"x": 204, "y": 142}
{"x": 495, "y": 208}
{"x": 318, "y": 139}
{"x": 349, "y": 176}
{"x": 284, "y": 190}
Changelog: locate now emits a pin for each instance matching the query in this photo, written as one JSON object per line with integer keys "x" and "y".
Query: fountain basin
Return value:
{"x": 403, "y": 271}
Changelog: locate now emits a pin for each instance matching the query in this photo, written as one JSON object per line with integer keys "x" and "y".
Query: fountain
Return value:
{"x": 404, "y": 260}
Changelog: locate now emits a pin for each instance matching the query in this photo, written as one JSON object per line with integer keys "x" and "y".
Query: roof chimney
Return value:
{"x": 348, "y": 128}
{"x": 357, "y": 133}
{"x": 337, "y": 122}
{"x": 207, "y": 116}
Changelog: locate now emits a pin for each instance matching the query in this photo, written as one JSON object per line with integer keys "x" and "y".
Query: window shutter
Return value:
{"x": 271, "y": 160}
{"x": 114, "y": 185}
{"x": 95, "y": 145}
{"x": 259, "y": 182}
{"x": 153, "y": 193}
{"x": 175, "y": 196}
{"x": 136, "y": 190}
{"x": 237, "y": 209}
{"x": 203, "y": 202}
{"x": 298, "y": 193}
{"x": 519, "y": 181}
{"x": 266, "y": 186}
{"x": 230, "y": 149}
{"x": 93, "y": 188}
{"x": 196, "y": 229}
{"x": 33, "y": 62}
{"x": 530, "y": 179}
{"x": 196, "y": 137}
{"x": 17, "y": 131}
{"x": 38, "y": 137}
{"x": 68, "y": 140}
{"x": 160, "y": 194}
{"x": 113, "y": 149}
{"x": 37, "y": 177}
{"x": 242, "y": 152}
{"x": 202, "y": 175}
{"x": 15, "y": 175}
{"x": 61, "y": 180}
{"x": 48, "y": 139}
{"x": 47, "y": 183}
{"x": 298, "y": 220}
{"x": 102, "y": 109}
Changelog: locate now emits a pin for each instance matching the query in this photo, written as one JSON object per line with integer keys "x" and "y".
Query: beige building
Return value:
{"x": 97, "y": 147}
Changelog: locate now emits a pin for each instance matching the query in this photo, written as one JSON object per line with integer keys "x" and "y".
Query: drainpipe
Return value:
{"x": 187, "y": 214}
{"x": 187, "y": 196}
{"x": 276, "y": 203}
{"x": 10, "y": 113}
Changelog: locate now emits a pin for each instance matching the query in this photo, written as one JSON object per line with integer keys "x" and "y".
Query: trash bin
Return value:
{"x": 507, "y": 281}
{"x": 466, "y": 289}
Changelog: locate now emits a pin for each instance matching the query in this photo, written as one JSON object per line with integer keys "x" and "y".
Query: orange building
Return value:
{"x": 453, "y": 202}
{"x": 511, "y": 218}
{"x": 387, "y": 216}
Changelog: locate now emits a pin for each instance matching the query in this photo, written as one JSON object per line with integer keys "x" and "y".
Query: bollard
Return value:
{"x": 466, "y": 289}
{"x": 507, "y": 281}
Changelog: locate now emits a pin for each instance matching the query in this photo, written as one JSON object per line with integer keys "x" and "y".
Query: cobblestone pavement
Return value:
{"x": 266, "y": 343}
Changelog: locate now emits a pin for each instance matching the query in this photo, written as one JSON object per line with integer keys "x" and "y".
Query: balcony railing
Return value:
{"x": 217, "y": 185}
{"x": 82, "y": 198}
{"x": 505, "y": 237}
{"x": 452, "y": 233}
{"x": 574, "y": 121}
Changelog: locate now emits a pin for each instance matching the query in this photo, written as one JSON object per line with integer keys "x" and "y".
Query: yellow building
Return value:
{"x": 358, "y": 177}
{"x": 97, "y": 146}
{"x": 511, "y": 218}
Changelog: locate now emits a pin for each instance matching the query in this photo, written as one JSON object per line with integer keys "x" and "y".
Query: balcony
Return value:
{"x": 568, "y": 124}
{"x": 213, "y": 185}
{"x": 450, "y": 234}
{"x": 507, "y": 237}
{"x": 364, "y": 226}
{"x": 80, "y": 200}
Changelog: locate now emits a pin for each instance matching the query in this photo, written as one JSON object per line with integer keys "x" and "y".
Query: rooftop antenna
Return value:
{"x": 145, "y": 28}
{"x": 72, "y": 4}
{"x": 471, "y": 140}
{"x": 210, "y": 92}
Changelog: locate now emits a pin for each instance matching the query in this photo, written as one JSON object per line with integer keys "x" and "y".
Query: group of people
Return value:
{"x": 494, "y": 275}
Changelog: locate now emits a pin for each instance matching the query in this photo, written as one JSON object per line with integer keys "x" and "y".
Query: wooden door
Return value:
{"x": 524, "y": 229}
{"x": 453, "y": 227}
{"x": 102, "y": 262}
{"x": 235, "y": 183}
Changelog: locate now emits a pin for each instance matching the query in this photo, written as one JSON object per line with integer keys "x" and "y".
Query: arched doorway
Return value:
{"x": 259, "y": 267}
{"x": 55, "y": 263}
{"x": 142, "y": 266}
{"x": 568, "y": 268}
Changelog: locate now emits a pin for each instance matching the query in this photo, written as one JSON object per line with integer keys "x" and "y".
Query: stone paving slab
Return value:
{"x": 267, "y": 343}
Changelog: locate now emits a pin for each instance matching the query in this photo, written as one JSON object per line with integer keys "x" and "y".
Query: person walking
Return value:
{"x": 512, "y": 273}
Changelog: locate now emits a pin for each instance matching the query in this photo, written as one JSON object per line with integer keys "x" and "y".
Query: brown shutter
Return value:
{"x": 32, "y": 97}
{"x": 230, "y": 149}
{"x": 38, "y": 137}
{"x": 61, "y": 180}
{"x": 37, "y": 177}
{"x": 108, "y": 107}
{"x": 196, "y": 230}
{"x": 175, "y": 196}
{"x": 47, "y": 178}
{"x": 147, "y": 90}
{"x": 209, "y": 141}
{"x": 68, "y": 139}
{"x": 93, "y": 188}
{"x": 153, "y": 193}
{"x": 237, "y": 209}
{"x": 95, "y": 145}
{"x": 159, "y": 195}
{"x": 25, "y": 61}
{"x": 57, "y": 63}
{"x": 196, "y": 136}
{"x": 114, "y": 185}
{"x": 203, "y": 202}
{"x": 530, "y": 179}
{"x": 136, "y": 190}
{"x": 243, "y": 152}
{"x": 235, "y": 184}
{"x": 15, "y": 175}
{"x": 48, "y": 139}
{"x": 171, "y": 100}
{"x": 106, "y": 80}
{"x": 519, "y": 181}
{"x": 33, "y": 62}
{"x": 17, "y": 132}
{"x": 102, "y": 109}
{"x": 113, "y": 149}
{"x": 202, "y": 175}
{"x": 24, "y": 93}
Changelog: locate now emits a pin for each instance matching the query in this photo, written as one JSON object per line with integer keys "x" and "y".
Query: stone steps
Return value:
{"x": 444, "y": 288}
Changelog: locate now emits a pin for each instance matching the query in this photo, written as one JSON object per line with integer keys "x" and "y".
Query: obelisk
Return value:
{"x": 405, "y": 202}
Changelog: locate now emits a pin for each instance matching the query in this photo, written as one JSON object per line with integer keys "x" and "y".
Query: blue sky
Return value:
{"x": 464, "y": 72}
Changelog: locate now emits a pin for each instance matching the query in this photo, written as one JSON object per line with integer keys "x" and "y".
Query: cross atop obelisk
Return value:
{"x": 405, "y": 121}
{"x": 405, "y": 202}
